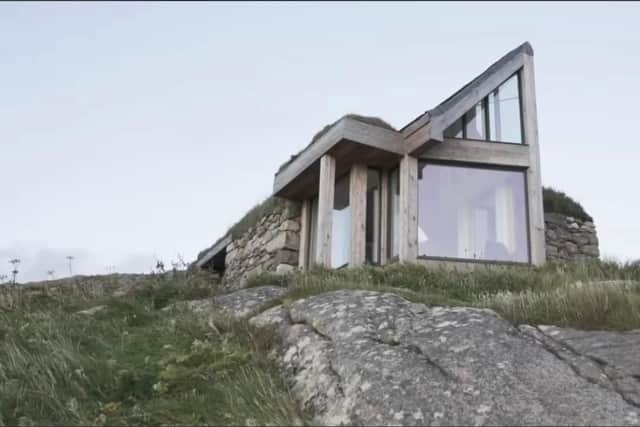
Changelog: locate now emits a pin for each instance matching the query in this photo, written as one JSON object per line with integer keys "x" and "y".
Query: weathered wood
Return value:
{"x": 384, "y": 212}
{"x": 325, "y": 210}
{"x": 303, "y": 251}
{"x": 534, "y": 179}
{"x": 408, "y": 220}
{"x": 346, "y": 129}
{"x": 462, "y": 150}
{"x": 358, "y": 206}
{"x": 440, "y": 120}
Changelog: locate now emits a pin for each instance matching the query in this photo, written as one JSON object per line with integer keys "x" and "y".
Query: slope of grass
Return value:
{"x": 132, "y": 363}
{"x": 555, "y": 201}
{"x": 560, "y": 294}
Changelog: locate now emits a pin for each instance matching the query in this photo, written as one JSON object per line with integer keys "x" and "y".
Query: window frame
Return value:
{"x": 485, "y": 166}
{"x": 487, "y": 120}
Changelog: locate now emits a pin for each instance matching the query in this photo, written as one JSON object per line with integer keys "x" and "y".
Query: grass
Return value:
{"x": 555, "y": 201}
{"x": 565, "y": 295}
{"x": 132, "y": 363}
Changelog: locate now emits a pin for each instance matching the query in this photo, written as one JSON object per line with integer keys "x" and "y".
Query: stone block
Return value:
{"x": 284, "y": 240}
{"x": 285, "y": 256}
{"x": 571, "y": 248}
{"x": 590, "y": 250}
{"x": 290, "y": 225}
{"x": 284, "y": 268}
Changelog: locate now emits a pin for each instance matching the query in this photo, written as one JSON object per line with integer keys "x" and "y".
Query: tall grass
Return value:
{"x": 551, "y": 294}
{"x": 132, "y": 363}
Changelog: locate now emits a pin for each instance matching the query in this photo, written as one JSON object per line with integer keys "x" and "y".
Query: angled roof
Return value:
{"x": 472, "y": 92}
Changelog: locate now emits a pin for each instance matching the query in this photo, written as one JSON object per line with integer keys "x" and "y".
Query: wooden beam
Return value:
{"x": 408, "y": 220}
{"x": 384, "y": 212}
{"x": 303, "y": 251}
{"x": 440, "y": 120}
{"x": 462, "y": 150}
{"x": 358, "y": 207}
{"x": 325, "y": 210}
{"x": 346, "y": 129}
{"x": 534, "y": 179}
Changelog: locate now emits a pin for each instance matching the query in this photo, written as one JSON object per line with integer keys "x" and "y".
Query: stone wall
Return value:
{"x": 569, "y": 238}
{"x": 270, "y": 245}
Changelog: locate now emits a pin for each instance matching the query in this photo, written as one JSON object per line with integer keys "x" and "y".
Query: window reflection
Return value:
{"x": 472, "y": 213}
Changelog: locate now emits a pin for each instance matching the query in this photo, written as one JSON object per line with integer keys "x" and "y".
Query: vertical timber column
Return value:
{"x": 303, "y": 251}
{"x": 325, "y": 209}
{"x": 384, "y": 206}
{"x": 534, "y": 179}
{"x": 408, "y": 220}
{"x": 358, "y": 205}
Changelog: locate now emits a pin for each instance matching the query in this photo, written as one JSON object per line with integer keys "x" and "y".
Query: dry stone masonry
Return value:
{"x": 569, "y": 238}
{"x": 270, "y": 245}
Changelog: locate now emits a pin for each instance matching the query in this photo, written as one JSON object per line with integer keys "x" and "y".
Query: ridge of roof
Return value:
{"x": 443, "y": 106}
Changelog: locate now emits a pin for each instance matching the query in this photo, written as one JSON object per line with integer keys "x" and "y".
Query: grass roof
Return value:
{"x": 556, "y": 201}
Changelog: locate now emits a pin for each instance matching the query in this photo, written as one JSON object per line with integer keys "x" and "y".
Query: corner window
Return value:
{"x": 372, "y": 252}
{"x": 472, "y": 213}
{"x": 498, "y": 117}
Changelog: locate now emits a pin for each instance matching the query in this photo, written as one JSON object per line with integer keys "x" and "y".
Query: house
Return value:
{"x": 458, "y": 184}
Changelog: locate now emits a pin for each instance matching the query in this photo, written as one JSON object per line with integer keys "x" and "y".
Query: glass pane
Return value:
{"x": 373, "y": 217}
{"x": 472, "y": 213}
{"x": 455, "y": 130}
{"x": 313, "y": 231}
{"x": 475, "y": 122}
{"x": 341, "y": 227}
{"x": 393, "y": 214}
{"x": 504, "y": 112}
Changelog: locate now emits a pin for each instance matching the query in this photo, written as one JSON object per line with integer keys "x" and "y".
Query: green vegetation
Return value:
{"x": 130, "y": 362}
{"x": 558, "y": 202}
{"x": 560, "y": 294}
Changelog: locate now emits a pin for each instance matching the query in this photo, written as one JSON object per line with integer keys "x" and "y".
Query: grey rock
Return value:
{"x": 237, "y": 304}
{"x": 615, "y": 354}
{"x": 370, "y": 358}
{"x": 244, "y": 302}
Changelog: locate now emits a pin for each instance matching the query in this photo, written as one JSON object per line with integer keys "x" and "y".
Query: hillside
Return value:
{"x": 171, "y": 349}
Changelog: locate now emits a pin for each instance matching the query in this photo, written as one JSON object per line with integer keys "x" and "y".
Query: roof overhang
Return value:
{"x": 213, "y": 251}
{"x": 349, "y": 141}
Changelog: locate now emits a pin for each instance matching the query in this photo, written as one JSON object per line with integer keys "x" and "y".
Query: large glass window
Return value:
{"x": 341, "y": 228}
{"x": 372, "y": 251}
{"x": 393, "y": 213}
{"x": 504, "y": 112}
{"x": 496, "y": 118}
{"x": 472, "y": 213}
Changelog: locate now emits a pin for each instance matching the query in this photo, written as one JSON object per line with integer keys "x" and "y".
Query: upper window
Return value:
{"x": 497, "y": 117}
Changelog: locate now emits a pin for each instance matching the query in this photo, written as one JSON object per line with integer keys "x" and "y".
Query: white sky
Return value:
{"x": 129, "y": 131}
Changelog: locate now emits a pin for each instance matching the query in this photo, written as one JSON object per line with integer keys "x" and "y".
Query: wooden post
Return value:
{"x": 358, "y": 205}
{"x": 384, "y": 205}
{"x": 303, "y": 251}
{"x": 408, "y": 220}
{"x": 325, "y": 209}
{"x": 534, "y": 179}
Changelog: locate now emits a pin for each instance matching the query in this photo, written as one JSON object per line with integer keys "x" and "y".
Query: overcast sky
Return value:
{"x": 135, "y": 131}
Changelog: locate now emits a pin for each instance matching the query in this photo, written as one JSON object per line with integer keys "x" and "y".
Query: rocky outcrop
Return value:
{"x": 569, "y": 238}
{"x": 270, "y": 245}
{"x": 369, "y": 358}
{"x": 238, "y": 304}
